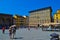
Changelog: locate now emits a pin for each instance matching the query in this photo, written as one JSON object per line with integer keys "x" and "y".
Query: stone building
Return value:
{"x": 57, "y": 17}
{"x": 40, "y": 16}
{"x": 6, "y": 20}
{"x": 20, "y": 21}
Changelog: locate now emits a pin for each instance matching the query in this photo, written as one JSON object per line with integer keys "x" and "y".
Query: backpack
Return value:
{"x": 13, "y": 28}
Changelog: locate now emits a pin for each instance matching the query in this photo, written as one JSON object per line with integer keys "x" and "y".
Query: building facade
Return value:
{"x": 27, "y": 21}
{"x": 57, "y": 17}
{"x": 6, "y": 20}
{"x": 20, "y": 21}
{"x": 16, "y": 20}
{"x": 40, "y": 16}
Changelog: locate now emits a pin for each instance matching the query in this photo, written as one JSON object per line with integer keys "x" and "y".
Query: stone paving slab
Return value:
{"x": 25, "y": 34}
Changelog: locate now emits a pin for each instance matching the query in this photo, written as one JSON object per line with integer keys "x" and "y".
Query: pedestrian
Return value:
{"x": 29, "y": 28}
{"x": 42, "y": 27}
{"x": 38, "y": 25}
{"x": 10, "y": 32}
{"x": 3, "y": 29}
{"x": 14, "y": 31}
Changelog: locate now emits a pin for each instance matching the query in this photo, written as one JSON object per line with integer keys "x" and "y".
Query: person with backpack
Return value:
{"x": 10, "y": 32}
{"x": 13, "y": 31}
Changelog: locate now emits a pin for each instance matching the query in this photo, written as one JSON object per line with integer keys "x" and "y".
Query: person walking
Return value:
{"x": 10, "y": 32}
{"x": 38, "y": 25}
{"x": 28, "y": 27}
{"x": 14, "y": 31}
{"x": 3, "y": 29}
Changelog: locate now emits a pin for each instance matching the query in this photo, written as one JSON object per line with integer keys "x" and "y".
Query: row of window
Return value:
{"x": 20, "y": 24}
{"x": 32, "y": 22}
{"x": 38, "y": 20}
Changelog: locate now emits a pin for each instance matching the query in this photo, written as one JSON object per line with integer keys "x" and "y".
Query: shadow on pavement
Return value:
{"x": 6, "y": 33}
{"x": 18, "y": 38}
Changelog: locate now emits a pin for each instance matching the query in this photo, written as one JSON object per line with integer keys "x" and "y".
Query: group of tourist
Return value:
{"x": 12, "y": 30}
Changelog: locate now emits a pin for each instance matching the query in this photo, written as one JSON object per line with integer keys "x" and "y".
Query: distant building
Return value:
{"x": 27, "y": 21}
{"x": 40, "y": 16}
{"x": 17, "y": 20}
{"x": 6, "y": 20}
{"x": 20, "y": 21}
{"x": 57, "y": 17}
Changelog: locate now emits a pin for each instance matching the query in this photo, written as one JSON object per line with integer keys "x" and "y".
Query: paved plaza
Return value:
{"x": 25, "y": 34}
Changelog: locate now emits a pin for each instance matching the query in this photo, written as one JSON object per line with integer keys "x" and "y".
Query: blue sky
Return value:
{"x": 22, "y": 7}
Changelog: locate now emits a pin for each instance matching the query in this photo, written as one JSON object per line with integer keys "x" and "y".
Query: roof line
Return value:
{"x": 41, "y": 9}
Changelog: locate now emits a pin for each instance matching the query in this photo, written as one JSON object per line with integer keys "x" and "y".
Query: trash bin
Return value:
{"x": 54, "y": 36}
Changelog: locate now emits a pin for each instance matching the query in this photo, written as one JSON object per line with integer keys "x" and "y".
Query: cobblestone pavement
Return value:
{"x": 25, "y": 34}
